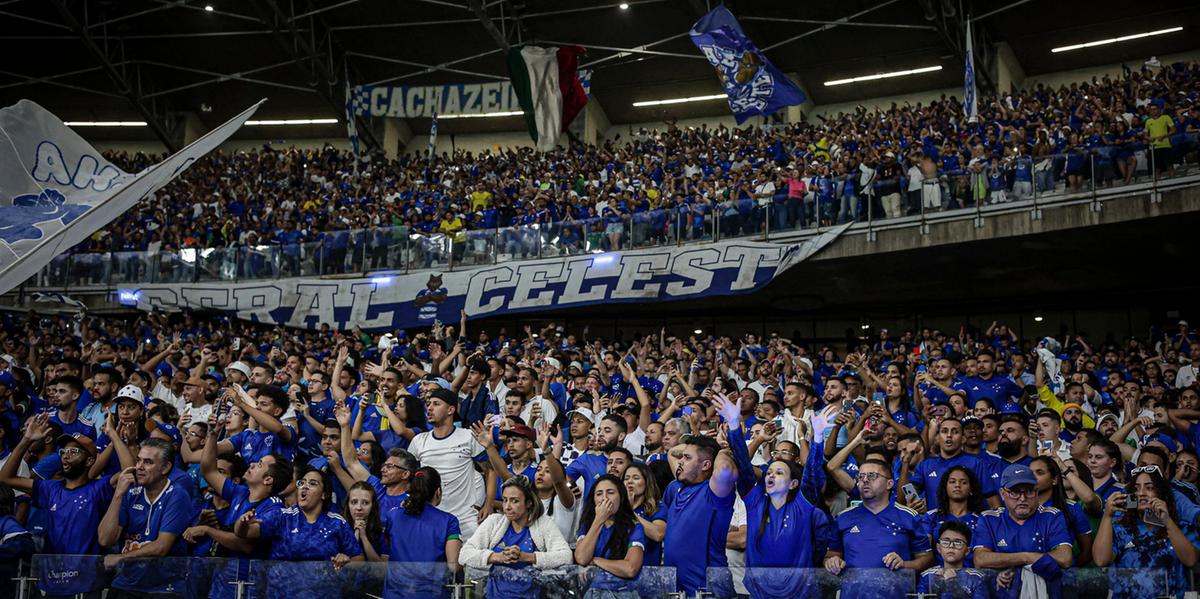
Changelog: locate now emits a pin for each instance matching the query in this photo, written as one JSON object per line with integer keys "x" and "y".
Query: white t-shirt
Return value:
{"x": 1186, "y": 376}
{"x": 635, "y": 442}
{"x": 760, "y": 387}
{"x": 737, "y": 559}
{"x": 566, "y": 519}
{"x": 462, "y": 486}
{"x": 22, "y": 471}
{"x": 549, "y": 412}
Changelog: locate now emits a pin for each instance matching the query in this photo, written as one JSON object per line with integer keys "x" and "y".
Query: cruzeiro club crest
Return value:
{"x": 741, "y": 71}
{"x": 20, "y": 221}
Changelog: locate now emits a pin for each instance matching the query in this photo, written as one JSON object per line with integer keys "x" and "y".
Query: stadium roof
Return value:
{"x": 154, "y": 59}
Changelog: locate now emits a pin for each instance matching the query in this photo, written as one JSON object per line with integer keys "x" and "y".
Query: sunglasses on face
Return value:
{"x": 869, "y": 477}
{"x": 1151, "y": 468}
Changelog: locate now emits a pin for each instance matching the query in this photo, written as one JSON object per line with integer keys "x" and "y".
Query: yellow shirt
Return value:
{"x": 451, "y": 226}
{"x": 1054, "y": 403}
{"x": 1159, "y": 126}
{"x": 480, "y": 200}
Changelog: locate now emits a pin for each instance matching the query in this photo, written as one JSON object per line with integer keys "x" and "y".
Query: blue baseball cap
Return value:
{"x": 1016, "y": 475}
{"x": 167, "y": 429}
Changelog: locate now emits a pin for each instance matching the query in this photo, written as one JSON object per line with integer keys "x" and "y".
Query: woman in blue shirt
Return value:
{"x": 362, "y": 513}
{"x": 424, "y": 541}
{"x": 611, "y": 538}
{"x": 306, "y": 532}
{"x": 960, "y": 499}
{"x": 1143, "y": 557}
{"x": 785, "y": 534}
{"x": 648, "y": 508}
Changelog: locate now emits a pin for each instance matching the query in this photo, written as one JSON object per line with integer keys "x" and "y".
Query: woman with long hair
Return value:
{"x": 611, "y": 539}
{"x": 641, "y": 485}
{"x": 960, "y": 499}
{"x": 518, "y": 537}
{"x": 1140, "y": 544}
{"x": 558, "y": 502}
{"x": 362, "y": 512}
{"x": 1052, "y": 493}
{"x": 785, "y": 534}
{"x": 305, "y": 532}
{"x": 423, "y": 541}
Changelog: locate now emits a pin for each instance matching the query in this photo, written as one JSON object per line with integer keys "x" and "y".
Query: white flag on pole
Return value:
{"x": 56, "y": 189}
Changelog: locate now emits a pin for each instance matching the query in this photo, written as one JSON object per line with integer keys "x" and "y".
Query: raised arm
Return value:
{"x": 109, "y": 531}
{"x": 335, "y": 387}
{"x": 37, "y": 428}
{"x": 265, "y": 421}
{"x": 355, "y": 468}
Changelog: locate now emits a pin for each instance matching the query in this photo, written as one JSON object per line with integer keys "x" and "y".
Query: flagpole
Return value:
{"x": 970, "y": 96}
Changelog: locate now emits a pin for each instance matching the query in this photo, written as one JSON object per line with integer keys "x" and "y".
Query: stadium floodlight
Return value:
{"x": 1038, "y": 318}
{"x": 208, "y": 8}
{"x": 878, "y": 76}
{"x": 105, "y": 123}
{"x": 442, "y": 117}
{"x": 623, "y": 6}
{"x": 681, "y": 100}
{"x": 1115, "y": 40}
{"x": 271, "y": 122}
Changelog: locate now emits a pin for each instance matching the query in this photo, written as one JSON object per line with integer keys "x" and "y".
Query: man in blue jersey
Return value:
{"x": 146, "y": 519}
{"x": 927, "y": 475}
{"x": 699, "y": 504}
{"x": 65, "y": 400}
{"x": 266, "y": 409}
{"x": 592, "y": 465}
{"x": 1021, "y": 534}
{"x": 73, "y": 505}
{"x": 877, "y": 534}
{"x": 987, "y": 384}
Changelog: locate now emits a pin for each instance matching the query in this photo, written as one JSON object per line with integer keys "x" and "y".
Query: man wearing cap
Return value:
{"x": 520, "y": 443}
{"x": 73, "y": 504}
{"x": 130, "y": 412}
{"x": 1020, "y": 534}
{"x": 581, "y": 422}
{"x": 238, "y": 373}
{"x": 146, "y": 518}
{"x": 453, "y": 452}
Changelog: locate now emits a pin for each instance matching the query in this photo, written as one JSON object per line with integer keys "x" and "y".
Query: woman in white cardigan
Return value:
{"x": 521, "y": 536}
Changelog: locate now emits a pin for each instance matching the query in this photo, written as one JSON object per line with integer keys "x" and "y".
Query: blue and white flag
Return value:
{"x": 433, "y": 138}
{"x": 351, "y": 126}
{"x": 754, "y": 85}
{"x": 970, "y": 99}
{"x": 56, "y": 189}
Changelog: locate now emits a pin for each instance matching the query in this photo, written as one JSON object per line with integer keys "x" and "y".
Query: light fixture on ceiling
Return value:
{"x": 480, "y": 115}
{"x": 623, "y": 6}
{"x": 878, "y": 76}
{"x": 1114, "y": 40}
{"x": 208, "y": 8}
{"x": 699, "y": 331}
{"x": 105, "y": 123}
{"x": 680, "y": 100}
{"x": 270, "y": 122}
{"x": 1038, "y": 318}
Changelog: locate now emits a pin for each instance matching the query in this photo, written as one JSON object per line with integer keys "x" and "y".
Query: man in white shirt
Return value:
{"x": 1188, "y": 375}
{"x": 453, "y": 452}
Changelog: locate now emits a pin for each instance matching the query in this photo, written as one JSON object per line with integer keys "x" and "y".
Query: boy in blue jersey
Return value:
{"x": 877, "y": 534}
{"x": 147, "y": 520}
{"x": 73, "y": 505}
{"x": 272, "y": 435}
{"x": 1021, "y": 534}
{"x": 699, "y": 505}
{"x": 952, "y": 580}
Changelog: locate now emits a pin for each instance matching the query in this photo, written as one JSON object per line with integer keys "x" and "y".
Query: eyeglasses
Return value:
{"x": 1151, "y": 468}
{"x": 779, "y": 452}
{"x": 1027, "y": 492}
{"x": 66, "y": 451}
{"x": 869, "y": 477}
{"x": 362, "y": 450}
{"x": 304, "y": 483}
{"x": 387, "y": 466}
{"x": 953, "y": 543}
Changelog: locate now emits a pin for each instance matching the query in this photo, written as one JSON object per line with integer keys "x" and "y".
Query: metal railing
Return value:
{"x": 1036, "y": 182}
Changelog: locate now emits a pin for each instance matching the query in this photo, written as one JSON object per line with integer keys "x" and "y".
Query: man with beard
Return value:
{"x": 1012, "y": 445}
{"x": 985, "y": 383}
{"x": 105, "y": 383}
{"x": 146, "y": 518}
{"x": 73, "y": 503}
{"x": 63, "y": 394}
{"x": 928, "y": 474}
{"x": 1072, "y": 417}
{"x": 591, "y": 466}
{"x": 699, "y": 505}
{"x": 798, "y": 400}
{"x": 654, "y": 442}
{"x": 1021, "y": 534}
{"x": 1073, "y": 395}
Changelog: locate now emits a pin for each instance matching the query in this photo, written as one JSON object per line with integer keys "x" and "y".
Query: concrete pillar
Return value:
{"x": 192, "y": 128}
{"x": 396, "y": 135}
{"x": 595, "y": 122}
{"x": 1009, "y": 74}
{"x": 797, "y": 114}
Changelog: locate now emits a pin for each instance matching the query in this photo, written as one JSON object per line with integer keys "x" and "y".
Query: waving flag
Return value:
{"x": 546, "y": 82}
{"x": 433, "y": 138}
{"x": 351, "y": 126}
{"x": 55, "y": 189}
{"x": 754, "y": 85}
{"x": 970, "y": 101}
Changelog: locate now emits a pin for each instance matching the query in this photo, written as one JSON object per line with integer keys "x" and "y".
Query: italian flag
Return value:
{"x": 546, "y": 81}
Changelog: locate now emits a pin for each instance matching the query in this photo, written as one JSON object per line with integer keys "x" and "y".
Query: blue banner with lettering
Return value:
{"x": 754, "y": 85}
{"x": 405, "y": 301}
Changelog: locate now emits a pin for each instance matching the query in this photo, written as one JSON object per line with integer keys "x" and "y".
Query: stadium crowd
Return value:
{"x": 964, "y": 464}
{"x": 686, "y": 183}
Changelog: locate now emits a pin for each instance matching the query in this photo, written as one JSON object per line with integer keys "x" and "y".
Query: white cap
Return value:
{"x": 575, "y": 364}
{"x": 555, "y": 363}
{"x": 586, "y": 413}
{"x": 131, "y": 392}
{"x": 239, "y": 366}
{"x": 8, "y": 358}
